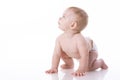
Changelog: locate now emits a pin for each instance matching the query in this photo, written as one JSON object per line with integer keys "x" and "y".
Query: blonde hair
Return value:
{"x": 81, "y": 17}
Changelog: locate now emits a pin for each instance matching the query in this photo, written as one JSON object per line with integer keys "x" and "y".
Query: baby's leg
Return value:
{"x": 68, "y": 61}
{"x": 94, "y": 63}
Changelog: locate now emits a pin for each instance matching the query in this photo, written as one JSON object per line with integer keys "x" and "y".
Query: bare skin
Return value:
{"x": 72, "y": 44}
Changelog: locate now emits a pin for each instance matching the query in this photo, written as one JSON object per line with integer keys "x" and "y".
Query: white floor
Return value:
{"x": 33, "y": 69}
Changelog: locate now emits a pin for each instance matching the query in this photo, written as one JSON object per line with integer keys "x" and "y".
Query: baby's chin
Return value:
{"x": 60, "y": 28}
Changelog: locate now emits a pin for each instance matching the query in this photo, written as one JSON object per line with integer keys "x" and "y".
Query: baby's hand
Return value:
{"x": 78, "y": 73}
{"x": 51, "y": 71}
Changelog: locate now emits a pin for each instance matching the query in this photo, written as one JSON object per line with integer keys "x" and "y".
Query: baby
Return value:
{"x": 72, "y": 44}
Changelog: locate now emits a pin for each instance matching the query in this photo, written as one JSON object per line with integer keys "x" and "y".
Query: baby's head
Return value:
{"x": 73, "y": 18}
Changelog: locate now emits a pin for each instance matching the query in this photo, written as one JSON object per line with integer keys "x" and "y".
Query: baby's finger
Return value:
{"x": 78, "y": 74}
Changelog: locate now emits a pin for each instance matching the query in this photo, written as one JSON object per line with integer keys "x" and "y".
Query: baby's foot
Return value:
{"x": 65, "y": 66}
{"x": 104, "y": 66}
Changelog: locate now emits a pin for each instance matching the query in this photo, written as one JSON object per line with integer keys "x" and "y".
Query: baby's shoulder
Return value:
{"x": 79, "y": 36}
{"x": 80, "y": 39}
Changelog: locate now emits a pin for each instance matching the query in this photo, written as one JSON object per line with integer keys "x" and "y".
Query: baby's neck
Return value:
{"x": 71, "y": 33}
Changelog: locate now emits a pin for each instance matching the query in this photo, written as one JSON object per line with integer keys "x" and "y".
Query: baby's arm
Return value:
{"x": 84, "y": 56}
{"x": 55, "y": 58}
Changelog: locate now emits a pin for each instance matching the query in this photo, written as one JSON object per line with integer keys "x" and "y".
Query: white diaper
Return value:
{"x": 94, "y": 47}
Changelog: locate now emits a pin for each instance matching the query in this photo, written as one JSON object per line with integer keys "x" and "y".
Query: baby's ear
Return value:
{"x": 73, "y": 25}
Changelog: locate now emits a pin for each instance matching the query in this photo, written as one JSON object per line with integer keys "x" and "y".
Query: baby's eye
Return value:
{"x": 63, "y": 16}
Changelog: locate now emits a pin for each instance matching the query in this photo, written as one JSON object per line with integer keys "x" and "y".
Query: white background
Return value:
{"x": 28, "y": 29}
